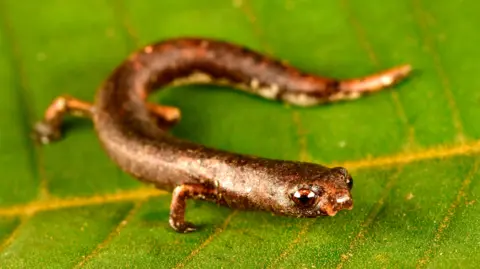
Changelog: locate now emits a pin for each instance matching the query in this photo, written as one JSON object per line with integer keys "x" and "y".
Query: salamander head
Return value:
{"x": 324, "y": 194}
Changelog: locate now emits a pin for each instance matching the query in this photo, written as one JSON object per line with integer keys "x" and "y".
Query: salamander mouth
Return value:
{"x": 330, "y": 211}
{"x": 343, "y": 202}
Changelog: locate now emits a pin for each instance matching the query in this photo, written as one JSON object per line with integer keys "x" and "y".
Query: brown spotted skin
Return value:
{"x": 133, "y": 135}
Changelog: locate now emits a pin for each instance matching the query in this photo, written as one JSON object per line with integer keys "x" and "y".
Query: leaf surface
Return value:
{"x": 413, "y": 150}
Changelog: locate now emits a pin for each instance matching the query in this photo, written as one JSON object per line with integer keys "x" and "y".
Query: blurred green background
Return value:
{"x": 412, "y": 149}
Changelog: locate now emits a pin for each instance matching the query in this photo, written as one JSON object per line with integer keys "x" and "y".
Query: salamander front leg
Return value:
{"x": 49, "y": 129}
{"x": 179, "y": 198}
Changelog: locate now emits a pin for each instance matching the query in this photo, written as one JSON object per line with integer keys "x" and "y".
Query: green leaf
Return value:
{"x": 413, "y": 150}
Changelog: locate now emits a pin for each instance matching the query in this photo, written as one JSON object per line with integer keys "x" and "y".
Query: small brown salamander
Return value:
{"x": 134, "y": 134}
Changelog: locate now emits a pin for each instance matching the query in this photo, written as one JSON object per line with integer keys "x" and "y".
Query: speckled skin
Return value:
{"x": 141, "y": 147}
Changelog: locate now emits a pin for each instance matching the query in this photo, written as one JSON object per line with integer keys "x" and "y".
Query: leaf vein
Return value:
{"x": 367, "y": 46}
{"x": 60, "y": 203}
{"x": 288, "y": 250}
{"x": 437, "y": 152}
{"x": 121, "y": 15}
{"x": 115, "y": 232}
{"x": 419, "y": 13}
{"x": 246, "y": 9}
{"x": 376, "y": 208}
{"x": 461, "y": 195}
{"x": 14, "y": 234}
{"x": 207, "y": 241}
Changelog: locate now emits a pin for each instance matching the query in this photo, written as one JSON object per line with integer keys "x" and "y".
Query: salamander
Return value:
{"x": 134, "y": 132}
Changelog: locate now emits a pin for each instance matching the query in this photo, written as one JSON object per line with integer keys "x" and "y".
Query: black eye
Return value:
{"x": 304, "y": 197}
{"x": 350, "y": 182}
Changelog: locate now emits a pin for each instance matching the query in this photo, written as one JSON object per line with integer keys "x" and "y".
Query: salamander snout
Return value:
{"x": 340, "y": 201}
{"x": 339, "y": 185}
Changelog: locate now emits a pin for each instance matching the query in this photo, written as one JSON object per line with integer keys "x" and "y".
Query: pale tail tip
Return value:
{"x": 405, "y": 69}
{"x": 397, "y": 74}
{"x": 400, "y": 72}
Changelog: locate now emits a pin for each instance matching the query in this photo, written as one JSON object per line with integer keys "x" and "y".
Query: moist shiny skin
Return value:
{"x": 141, "y": 146}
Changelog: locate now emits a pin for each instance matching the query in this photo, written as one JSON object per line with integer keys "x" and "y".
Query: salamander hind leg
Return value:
{"x": 179, "y": 198}
{"x": 49, "y": 128}
{"x": 165, "y": 116}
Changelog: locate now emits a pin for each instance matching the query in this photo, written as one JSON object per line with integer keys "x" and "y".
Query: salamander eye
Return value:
{"x": 305, "y": 197}
{"x": 350, "y": 182}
